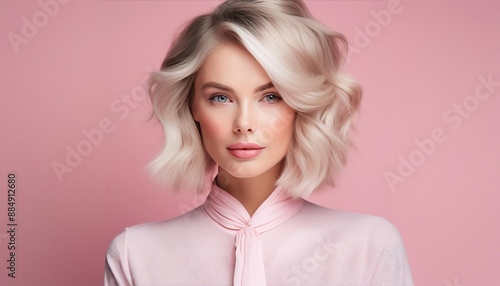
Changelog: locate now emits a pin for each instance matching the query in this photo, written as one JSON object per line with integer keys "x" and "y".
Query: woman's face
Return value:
{"x": 235, "y": 102}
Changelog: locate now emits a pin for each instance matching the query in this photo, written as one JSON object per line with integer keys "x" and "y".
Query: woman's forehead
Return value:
{"x": 231, "y": 64}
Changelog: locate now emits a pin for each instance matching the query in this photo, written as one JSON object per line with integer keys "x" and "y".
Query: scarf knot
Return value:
{"x": 231, "y": 215}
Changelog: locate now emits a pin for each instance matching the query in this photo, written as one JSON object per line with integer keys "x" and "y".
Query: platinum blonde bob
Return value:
{"x": 303, "y": 59}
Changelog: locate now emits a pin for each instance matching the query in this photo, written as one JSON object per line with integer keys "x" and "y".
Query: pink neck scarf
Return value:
{"x": 232, "y": 216}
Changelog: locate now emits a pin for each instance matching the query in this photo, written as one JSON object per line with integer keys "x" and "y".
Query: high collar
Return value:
{"x": 229, "y": 214}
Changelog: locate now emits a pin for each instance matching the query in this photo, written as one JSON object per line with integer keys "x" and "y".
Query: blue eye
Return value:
{"x": 220, "y": 98}
{"x": 272, "y": 97}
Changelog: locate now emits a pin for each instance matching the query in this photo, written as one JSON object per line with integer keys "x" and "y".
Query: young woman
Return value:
{"x": 256, "y": 111}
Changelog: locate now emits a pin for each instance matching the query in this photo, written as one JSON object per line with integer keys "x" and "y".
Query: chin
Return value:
{"x": 238, "y": 170}
{"x": 244, "y": 174}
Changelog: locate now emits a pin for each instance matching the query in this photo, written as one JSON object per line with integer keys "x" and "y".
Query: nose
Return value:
{"x": 244, "y": 122}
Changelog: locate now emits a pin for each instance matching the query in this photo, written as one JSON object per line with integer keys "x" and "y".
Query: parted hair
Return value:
{"x": 303, "y": 59}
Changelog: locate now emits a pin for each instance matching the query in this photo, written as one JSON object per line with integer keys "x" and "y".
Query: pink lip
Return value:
{"x": 245, "y": 150}
{"x": 242, "y": 145}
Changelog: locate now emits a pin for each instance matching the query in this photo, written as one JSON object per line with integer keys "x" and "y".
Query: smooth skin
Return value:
{"x": 235, "y": 101}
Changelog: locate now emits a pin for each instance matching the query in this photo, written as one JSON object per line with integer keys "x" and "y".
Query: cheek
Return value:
{"x": 212, "y": 128}
{"x": 281, "y": 123}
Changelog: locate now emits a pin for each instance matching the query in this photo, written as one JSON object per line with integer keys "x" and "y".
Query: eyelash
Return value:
{"x": 218, "y": 96}
{"x": 278, "y": 98}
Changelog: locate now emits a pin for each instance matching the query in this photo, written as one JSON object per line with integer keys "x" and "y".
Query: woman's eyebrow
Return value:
{"x": 216, "y": 85}
{"x": 227, "y": 88}
{"x": 264, "y": 87}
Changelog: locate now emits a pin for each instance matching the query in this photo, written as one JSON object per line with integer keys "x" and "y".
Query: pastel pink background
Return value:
{"x": 76, "y": 69}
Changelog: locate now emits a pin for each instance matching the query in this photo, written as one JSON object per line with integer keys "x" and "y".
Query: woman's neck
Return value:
{"x": 250, "y": 192}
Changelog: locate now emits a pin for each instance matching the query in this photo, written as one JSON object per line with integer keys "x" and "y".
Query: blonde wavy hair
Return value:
{"x": 303, "y": 59}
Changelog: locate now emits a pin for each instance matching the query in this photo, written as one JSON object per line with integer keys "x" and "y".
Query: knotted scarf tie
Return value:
{"x": 229, "y": 213}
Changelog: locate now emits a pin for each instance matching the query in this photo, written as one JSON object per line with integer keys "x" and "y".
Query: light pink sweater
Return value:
{"x": 311, "y": 246}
